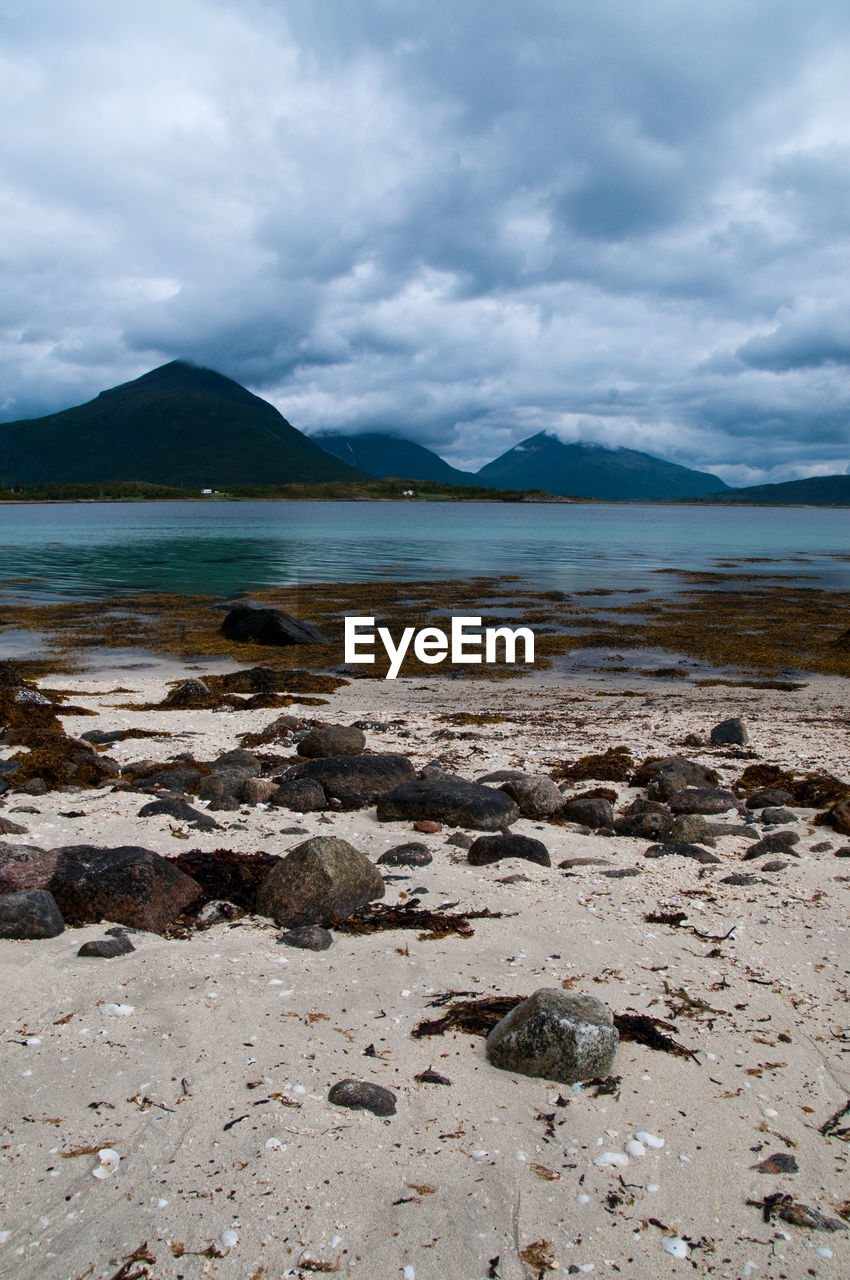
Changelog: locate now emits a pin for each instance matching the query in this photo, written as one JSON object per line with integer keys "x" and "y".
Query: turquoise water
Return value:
{"x": 97, "y": 550}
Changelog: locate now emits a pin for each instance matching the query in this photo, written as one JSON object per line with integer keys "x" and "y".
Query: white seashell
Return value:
{"x": 31, "y": 1040}
{"x": 123, "y": 1010}
{"x": 611, "y": 1158}
{"x": 674, "y": 1245}
{"x": 4, "y": 1236}
{"x": 581, "y": 1198}
{"x": 409, "y": 1273}
{"x": 649, "y": 1140}
{"x": 769, "y": 1113}
{"x": 108, "y": 1161}
{"x": 635, "y": 1148}
{"x": 275, "y": 1144}
{"x": 228, "y": 1239}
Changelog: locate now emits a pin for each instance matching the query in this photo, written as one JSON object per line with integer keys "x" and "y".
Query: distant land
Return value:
{"x": 181, "y": 430}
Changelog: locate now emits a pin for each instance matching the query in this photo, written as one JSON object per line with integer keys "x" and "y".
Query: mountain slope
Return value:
{"x": 177, "y": 425}
{"x": 593, "y": 471}
{"x": 817, "y": 491}
{"x": 384, "y": 455}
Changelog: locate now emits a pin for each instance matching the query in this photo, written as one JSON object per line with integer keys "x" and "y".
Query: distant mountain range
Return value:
{"x": 384, "y": 455}
{"x": 188, "y": 427}
{"x": 178, "y": 425}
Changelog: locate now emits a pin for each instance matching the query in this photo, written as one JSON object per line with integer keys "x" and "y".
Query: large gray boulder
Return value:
{"x": 25, "y": 866}
{"x": 450, "y": 800}
{"x": 557, "y": 1035}
{"x": 356, "y": 780}
{"x": 537, "y": 797}
{"x": 30, "y": 914}
{"x": 732, "y": 732}
{"x": 130, "y": 885}
{"x": 320, "y": 881}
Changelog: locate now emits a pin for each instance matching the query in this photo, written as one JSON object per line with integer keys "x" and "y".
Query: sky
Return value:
{"x": 462, "y": 221}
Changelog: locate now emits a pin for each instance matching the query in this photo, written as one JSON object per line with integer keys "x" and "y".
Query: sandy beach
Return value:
{"x": 205, "y": 1062}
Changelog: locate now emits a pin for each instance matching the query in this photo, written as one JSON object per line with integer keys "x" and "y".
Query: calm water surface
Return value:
{"x": 96, "y": 550}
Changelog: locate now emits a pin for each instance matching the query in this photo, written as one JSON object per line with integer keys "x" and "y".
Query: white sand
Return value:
{"x": 232, "y": 1027}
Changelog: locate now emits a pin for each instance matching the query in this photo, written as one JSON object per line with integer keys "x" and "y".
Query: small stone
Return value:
{"x": 461, "y": 840}
{"x": 10, "y": 828}
{"x": 309, "y": 937}
{"x": 107, "y": 948}
{"x": 591, "y": 813}
{"x": 777, "y": 817}
{"x": 775, "y": 864}
{"x": 611, "y": 1159}
{"x": 732, "y": 732}
{"x": 681, "y": 850}
{"x": 650, "y": 1140}
{"x": 537, "y": 797}
{"x": 332, "y": 740}
{"x": 779, "y": 1162}
{"x": 674, "y": 1245}
{"x": 768, "y": 797}
{"x": 427, "y": 828}
{"x": 773, "y": 842}
{"x": 406, "y": 855}
{"x": 623, "y": 873}
{"x": 489, "y": 849}
{"x": 691, "y": 828}
{"x": 555, "y": 1034}
{"x": 180, "y": 809}
{"x": 319, "y": 881}
{"x": 361, "y": 1095}
{"x": 302, "y": 795}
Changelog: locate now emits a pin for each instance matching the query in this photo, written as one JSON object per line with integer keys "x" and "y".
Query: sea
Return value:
{"x": 51, "y": 552}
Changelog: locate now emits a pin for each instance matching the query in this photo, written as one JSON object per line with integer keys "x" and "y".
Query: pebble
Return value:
{"x": 228, "y": 1239}
{"x": 582, "y": 1199}
{"x": 649, "y": 1140}
{"x": 611, "y": 1158}
{"x": 409, "y": 1273}
{"x": 823, "y": 1252}
{"x": 769, "y": 1113}
{"x": 675, "y": 1245}
{"x": 635, "y": 1148}
{"x": 122, "y": 1010}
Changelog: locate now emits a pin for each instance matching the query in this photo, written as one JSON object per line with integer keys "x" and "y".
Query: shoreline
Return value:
{"x": 213, "y": 1086}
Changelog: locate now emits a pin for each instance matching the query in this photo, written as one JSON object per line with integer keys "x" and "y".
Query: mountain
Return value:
{"x": 177, "y": 425}
{"x": 384, "y": 455}
{"x": 817, "y": 491}
{"x": 594, "y": 471}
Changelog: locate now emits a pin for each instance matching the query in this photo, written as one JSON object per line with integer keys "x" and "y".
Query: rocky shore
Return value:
{"x": 424, "y": 978}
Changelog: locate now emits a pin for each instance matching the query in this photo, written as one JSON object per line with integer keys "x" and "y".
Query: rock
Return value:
{"x": 666, "y": 775}
{"x": 460, "y": 840}
{"x": 488, "y": 849}
{"x": 779, "y": 1162}
{"x": 839, "y": 817}
{"x": 843, "y": 852}
{"x": 569, "y": 863}
{"x": 282, "y": 728}
{"x": 217, "y": 911}
{"x": 258, "y": 790}
{"x": 647, "y": 825}
{"x": 768, "y": 796}
{"x": 222, "y": 785}
{"x": 332, "y": 740}
{"x": 557, "y": 1035}
{"x": 360, "y": 1095}
{"x": 406, "y": 855}
{"x": 107, "y": 948}
{"x": 189, "y": 694}
{"x": 129, "y": 885}
{"x": 589, "y": 813}
{"x": 106, "y": 737}
{"x": 775, "y": 864}
{"x": 692, "y": 740}
{"x": 179, "y": 778}
{"x": 238, "y": 761}
{"x": 256, "y": 624}
{"x": 732, "y": 732}
{"x": 823, "y": 846}
{"x": 318, "y": 882}
{"x": 622, "y": 873}
{"x": 357, "y": 780}
{"x": 702, "y": 800}
{"x": 31, "y": 698}
{"x": 177, "y": 807}
{"x": 30, "y": 914}
{"x": 681, "y": 849}
{"x": 691, "y": 828}
{"x": 778, "y": 817}
{"x": 309, "y": 937}
{"x": 502, "y": 775}
{"x": 9, "y": 828}
{"x": 742, "y": 878}
{"x": 25, "y": 866}
{"x": 426, "y": 828}
{"x": 773, "y": 842}
{"x": 537, "y": 797}
{"x": 463, "y": 804}
{"x": 304, "y": 795}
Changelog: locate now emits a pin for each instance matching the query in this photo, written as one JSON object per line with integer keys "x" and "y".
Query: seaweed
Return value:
{"x": 784, "y": 1206}
{"x": 434, "y": 925}
{"x": 615, "y": 764}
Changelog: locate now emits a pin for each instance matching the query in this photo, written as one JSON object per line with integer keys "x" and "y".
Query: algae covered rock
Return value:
{"x": 557, "y": 1035}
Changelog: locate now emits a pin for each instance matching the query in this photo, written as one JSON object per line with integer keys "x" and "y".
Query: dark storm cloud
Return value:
{"x": 467, "y": 222}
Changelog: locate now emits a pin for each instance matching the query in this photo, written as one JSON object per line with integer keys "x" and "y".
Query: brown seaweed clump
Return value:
{"x": 612, "y": 765}
{"x": 811, "y": 791}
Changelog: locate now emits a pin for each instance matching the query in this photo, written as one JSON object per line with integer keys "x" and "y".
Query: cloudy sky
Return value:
{"x": 463, "y": 220}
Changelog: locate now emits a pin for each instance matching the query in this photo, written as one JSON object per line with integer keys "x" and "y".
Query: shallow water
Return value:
{"x": 96, "y": 550}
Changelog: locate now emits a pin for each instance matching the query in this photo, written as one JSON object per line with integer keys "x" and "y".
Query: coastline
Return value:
{"x": 497, "y": 1164}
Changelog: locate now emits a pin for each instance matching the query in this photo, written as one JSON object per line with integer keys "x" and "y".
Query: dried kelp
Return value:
{"x": 832, "y": 1128}
{"x": 433, "y": 925}
{"x": 650, "y": 1032}
{"x": 784, "y": 1206}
